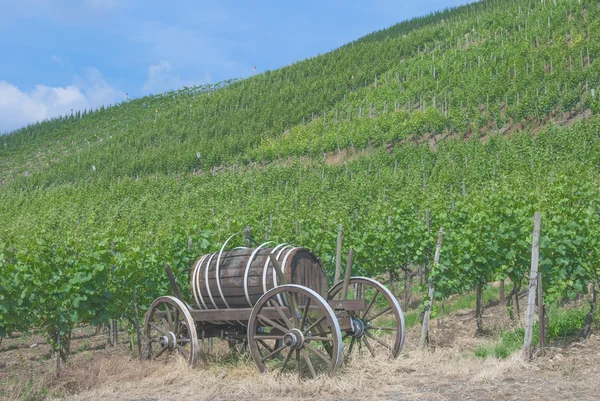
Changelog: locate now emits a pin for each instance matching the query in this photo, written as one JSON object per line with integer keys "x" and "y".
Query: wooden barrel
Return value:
{"x": 238, "y": 278}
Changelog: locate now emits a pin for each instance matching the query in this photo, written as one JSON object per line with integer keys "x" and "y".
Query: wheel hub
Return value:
{"x": 168, "y": 341}
{"x": 294, "y": 339}
{"x": 358, "y": 327}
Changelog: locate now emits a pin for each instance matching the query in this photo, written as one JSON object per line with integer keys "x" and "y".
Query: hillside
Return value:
{"x": 484, "y": 68}
{"x": 476, "y": 117}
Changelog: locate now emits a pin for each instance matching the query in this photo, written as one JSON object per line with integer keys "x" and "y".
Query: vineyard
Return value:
{"x": 468, "y": 120}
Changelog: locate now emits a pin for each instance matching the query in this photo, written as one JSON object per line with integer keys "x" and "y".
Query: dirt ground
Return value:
{"x": 449, "y": 370}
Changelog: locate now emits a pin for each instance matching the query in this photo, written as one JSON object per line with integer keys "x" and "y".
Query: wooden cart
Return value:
{"x": 276, "y": 301}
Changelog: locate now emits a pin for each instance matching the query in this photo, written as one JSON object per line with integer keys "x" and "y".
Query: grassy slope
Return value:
{"x": 470, "y": 69}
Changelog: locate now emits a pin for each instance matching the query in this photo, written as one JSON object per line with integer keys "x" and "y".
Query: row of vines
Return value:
{"x": 74, "y": 253}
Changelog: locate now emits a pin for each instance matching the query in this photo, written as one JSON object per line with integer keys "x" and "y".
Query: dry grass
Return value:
{"x": 448, "y": 373}
{"x": 448, "y": 370}
{"x": 417, "y": 374}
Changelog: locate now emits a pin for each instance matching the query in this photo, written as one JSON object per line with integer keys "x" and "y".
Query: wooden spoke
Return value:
{"x": 273, "y": 353}
{"x": 180, "y": 330}
{"x": 370, "y": 305}
{"x": 260, "y": 352}
{"x": 169, "y": 317}
{"x": 351, "y": 345}
{"x": 157, "y": 328}
{"x": 264, "y": 344}
{"x": 312, "y": 326}
{"x": 292, "y": 308}
{"x": 271, "y": 323}
{"x": 318, "y": 353}
{"x": 383, "y": 328}
{"x": 183, "y": 351}
{"x": 368, "y": 346}
{"x": 283, "y": 316}
{"x": 381, "y": 312}
{"x": 297, "y": 360}
{"x": 285, "y": 361}
{"x": 318, "y": 338}
{"x": 378, "y": 340}
{"x": 304, "y": 314}
{"x": 323, "y": 333}
{"x": 308, "y": 363}
{"x": 268, "y": 337}
{"x": 165, "y": 324}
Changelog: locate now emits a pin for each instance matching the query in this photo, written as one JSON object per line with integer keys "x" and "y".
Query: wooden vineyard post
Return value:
{"x": 541, "y": 313}
{"x": 422, "y": 273}
{"x": 58, "y": 353}
{"x": 137, "y": 324}
{"x": 113, "y": 327}
{"x": 113, "y": 335}
{"x": 533, "y": 278}
{"x": 406, "y": 287}
{"x": 443, "y": 307}
{"x": 338, "y": 256}
{"x": 348, "y": 274}
{"x": 425, "y": 328}
{"x": 428, "y": 225}
{"x": 248, "y": 237}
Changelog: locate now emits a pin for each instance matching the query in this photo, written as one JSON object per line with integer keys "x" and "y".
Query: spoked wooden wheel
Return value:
{"x": 290, "y": 328}
{"x": 170, "y": 330}
{"x": 380, "y": 327}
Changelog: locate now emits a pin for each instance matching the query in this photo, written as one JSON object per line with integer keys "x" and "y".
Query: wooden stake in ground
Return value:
{"x": 137, "y": 324}
{"x": 114, "y": 333}
{"x": 347, "y": 275}
{"x": 541, "y": 314}
{"x": 425, "y": 328}
{"x": 589, "y": 319}
{"x": 406, "y": 276}
{"x": 338, "y": 256}
{"x": 533, "y": 277}
{"x": 428, "y": 225}
{"x": 58, "y": 353}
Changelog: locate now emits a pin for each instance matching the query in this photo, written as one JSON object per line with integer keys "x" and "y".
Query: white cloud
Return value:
{"x": 162, "y": 77}
{"x": 97, "y": 90}
{"x": 184, "y": 52}
{"x": 19, "y": 107}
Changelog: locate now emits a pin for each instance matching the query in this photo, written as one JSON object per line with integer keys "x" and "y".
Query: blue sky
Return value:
{"x": 59, "y": 55}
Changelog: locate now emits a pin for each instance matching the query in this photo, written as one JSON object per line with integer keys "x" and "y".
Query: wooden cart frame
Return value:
{"x": 290, "y": 328}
